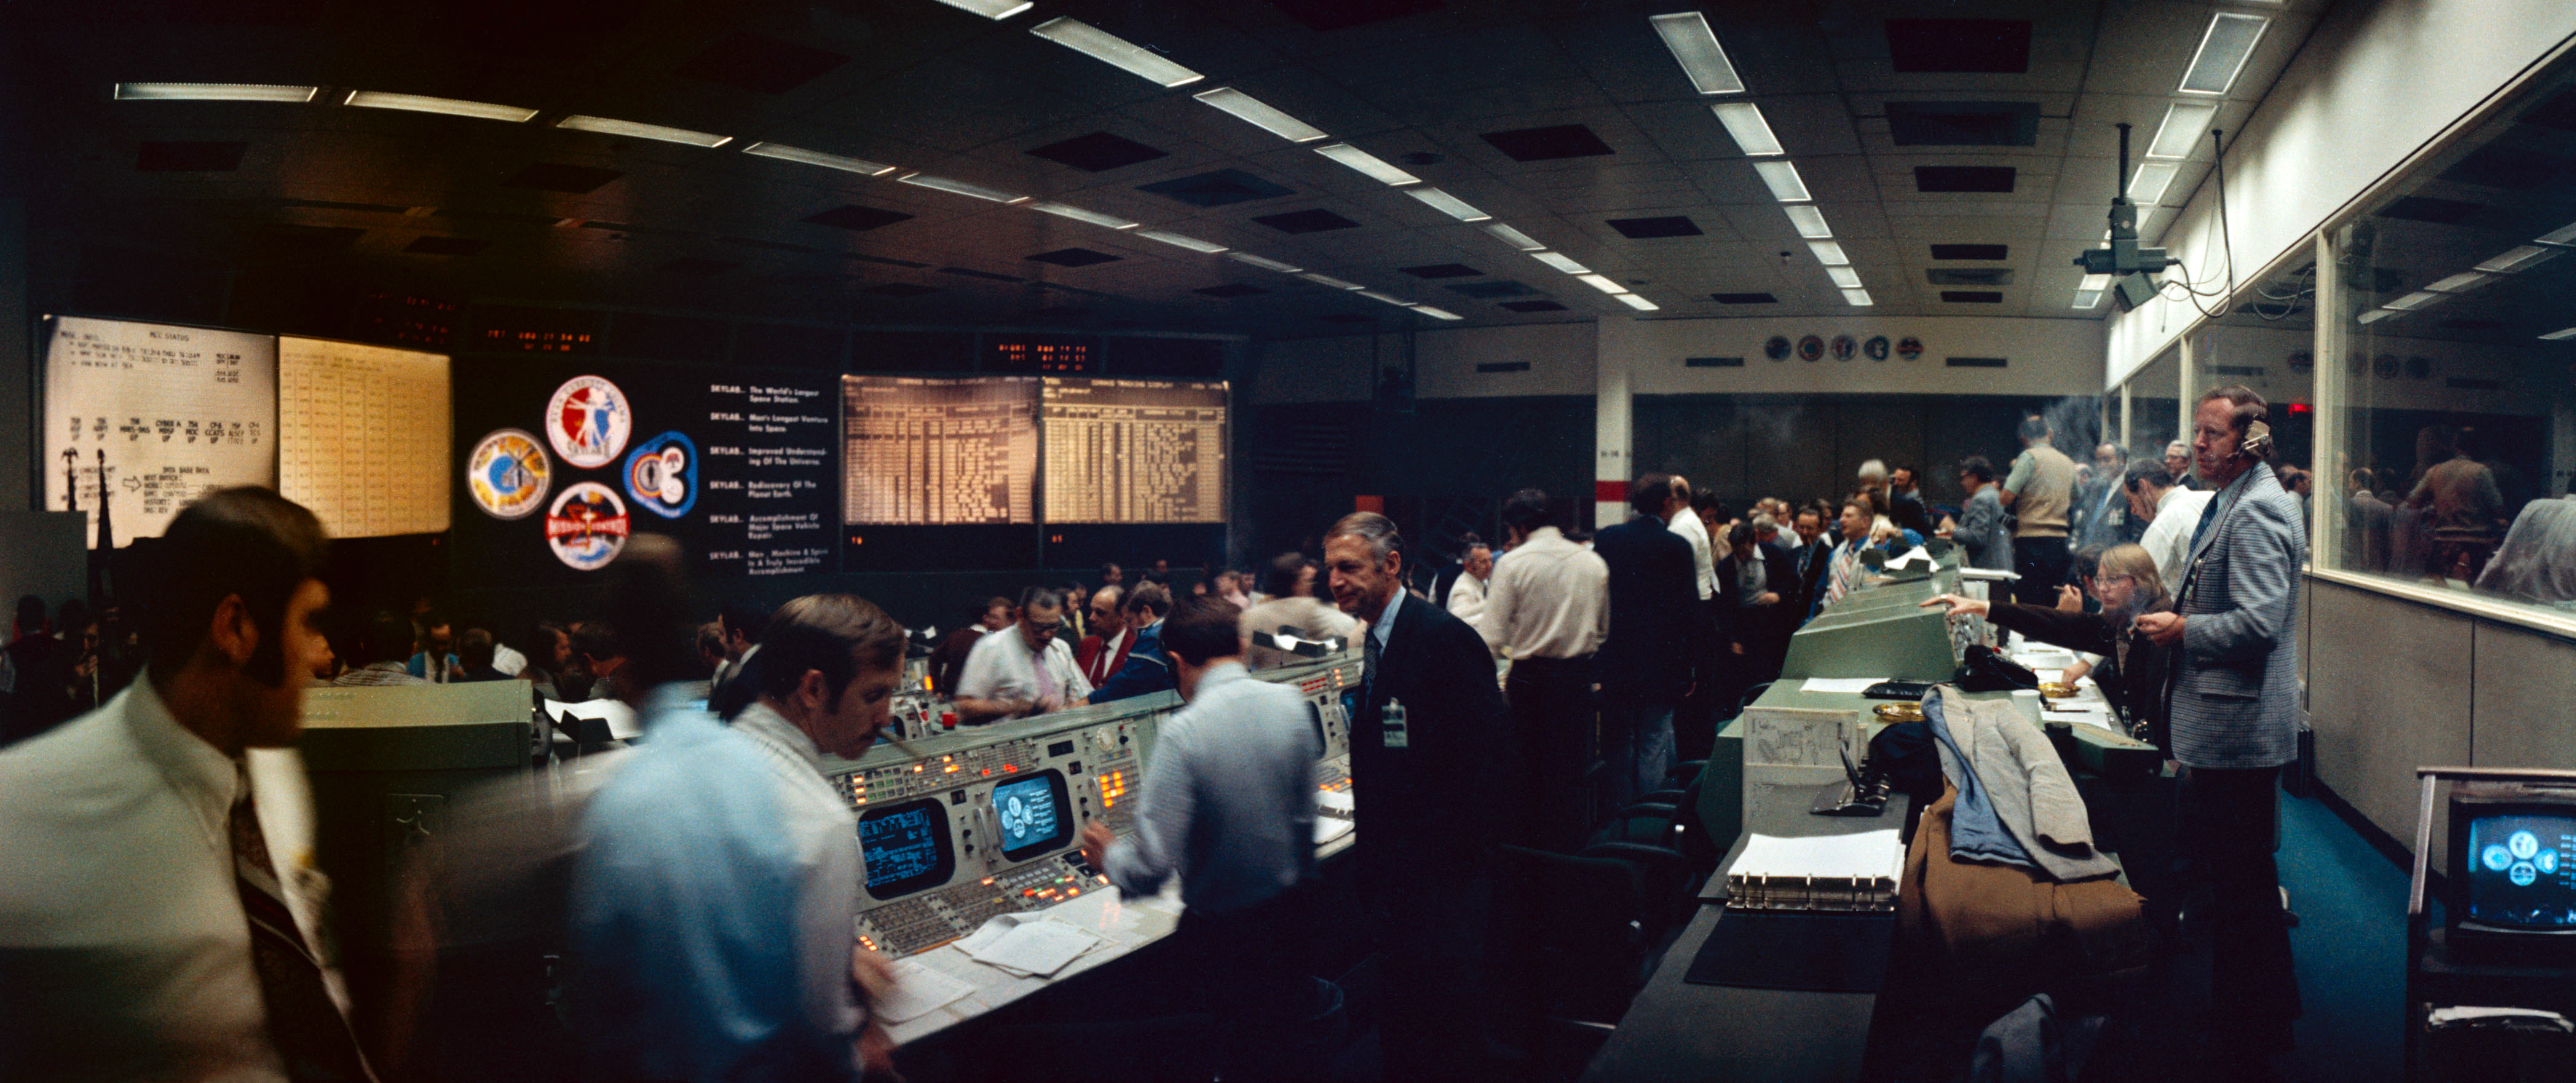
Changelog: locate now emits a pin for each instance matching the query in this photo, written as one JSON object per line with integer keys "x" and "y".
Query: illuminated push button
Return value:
{"x": 2496, "y": 858}
{"x": 2523, "y": 874}
{"x": 2523, "y": 844}
{"x": 2548, "y": 861}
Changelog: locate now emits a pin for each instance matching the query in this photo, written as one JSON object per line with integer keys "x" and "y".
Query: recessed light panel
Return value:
{"x": 1752, "y": 134}
{"x": 2224, "y": 49}
{"x": 1514, "y": 237}
{"x": 1264, "y": 264}
{"x": 2185, "y": 123}
{"x": 1080, "y": 215}
{"x": 2560, "y": 336}
{"x": 1117, "y": 52}
{"x": 1367, "y": 164}
{"x": 633, "y": 130}
{"x": 1176, "y": 240}
{"x": 1558, "y": 261}
{"x": 1857, "y": 298}
{"x": 1810, "y": 222}
{"x": 1844, "y": 276}
{"x": 1782, "y": 177}
{"x": 1448, "y": 204}
{"x": 2415, "y": 300}
{"x": 213, "y": 92}
{"x": 1695, "y": 48}
{"x": 1328, "y": 280}
{"x": 1639, "y": 303}
{"x": 1255, "y": 112}
{"x": 996, "y": 10}
{"x": 1386, "y": 297}
{"x": 415, "y": 103}
{"x": 2086, "y": 299}
{"x": 786, "y": 153}
{"x": 1437, "y": 313}
{"x": 2459, "y": 283}
{"x": 1604, "y": 283}
{"x": 2520, "y": 257}
{"x": 958, "y": 187}
{"x": 1829, "y": 253}
{"x": 2147, "y": 186}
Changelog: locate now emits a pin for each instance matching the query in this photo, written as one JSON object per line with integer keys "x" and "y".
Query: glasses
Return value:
{"x": 1047, "y": 628}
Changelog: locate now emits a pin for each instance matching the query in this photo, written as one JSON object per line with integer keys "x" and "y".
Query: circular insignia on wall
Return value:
{"x": 1909, "y": 347}
{"x": 1777, "y": 348}
{"x": 2386, "y": 366}
{"x": 1811, "y": 348}
{"x": 2419, "y": 368}
{"x": 587, "y": 421}
{"x": 2302, "y": 361}
{"x": 1876, "y": 347}
{"x": 508, "y": 474}
{"x": 1844, "y": 347}
{"x": 662, "y": 474}
{"x": 587, "y": 526}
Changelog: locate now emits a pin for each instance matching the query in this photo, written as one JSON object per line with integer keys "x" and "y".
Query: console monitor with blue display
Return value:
{"x": 1033, "y": 814}
{"x": 905, "y": 848}
{"x": 2513, "y": 861}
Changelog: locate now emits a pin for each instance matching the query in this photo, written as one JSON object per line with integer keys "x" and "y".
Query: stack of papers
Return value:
{"x": 622, "y": 724}
{"x": 918, "y": 991}
{"x": 1329, "y": 827}
{"x": 1849, "y": 686}
{"x": 1027, "y": 945}
{"x": 1867, "y": 854}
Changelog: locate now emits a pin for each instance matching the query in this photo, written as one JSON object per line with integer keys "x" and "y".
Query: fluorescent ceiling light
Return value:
{"x": 2560, "y": 336}
{"x": 1829, "y": 253}
{"x": 1176, "y": 240}
{"x": 2565, "y": 237}
{"x": 1844, "y": 276}
{"x": 995, "y": 10}
{"x": 2086, "y": 299}
{"x": 958, "y": 187}
{"x": 1782, "y": 176}
{"x": 2094, "y": 284}
{"x": 1558, "y": 261}
{"x": 1110, "y": 49}
{"x": 2520, "y": 257}
{"x": 214, "y": 92}
{"x": 1857, "y": 298}
{"x": 2462, "y": 282}
{"x": 2377, "y": 314}
{"x": 2413, "y": 301}
{"x": 1639, "y": 303}
{"x": 1601, "y": 282}
{"x": 605, "y": 126}
{"x": 1810, "y": 221}
{"x": 1448, "y": 204}
{"x": 2147, "y": 185}
{"x": 1264, "y": 264}
{"x": 1514, "y": 237}
{"x": 2185, "y": 123}
{"x": 1374, "y": 167}
{"x": 2224, "y": 48}
{"x": 1388, "y": 298}
{"x": 1752, "y": 134}
{"x": 1695, "y": 47}
{"x": 1253, "y": 111}
{"x": 1437, "y": 313}
{"x": 1328, "y": 280}
{"x": 1079, "y": 215}
{"x": 786, "y": 153}
{"x": 377, "y": 99}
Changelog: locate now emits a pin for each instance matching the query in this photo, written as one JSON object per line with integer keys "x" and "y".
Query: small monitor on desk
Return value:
{"x": 906, "y": 848}
{"x": 1034, "y": 815}
{"x": 2513, "y": 863}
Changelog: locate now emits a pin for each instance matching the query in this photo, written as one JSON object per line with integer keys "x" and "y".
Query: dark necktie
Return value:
{"x": 2208, "y": 515}
{"x": 310, "y": 1033}
{"x": 1368, "y": 661}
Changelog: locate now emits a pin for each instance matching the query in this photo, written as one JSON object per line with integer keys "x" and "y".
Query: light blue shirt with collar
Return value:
{"x": 1229, "y": 801}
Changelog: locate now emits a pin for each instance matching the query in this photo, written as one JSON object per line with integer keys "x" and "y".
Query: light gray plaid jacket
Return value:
{"x": 2235, "y": 698}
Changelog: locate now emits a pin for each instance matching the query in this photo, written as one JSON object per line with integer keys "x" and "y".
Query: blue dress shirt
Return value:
{"x": 1229, "y": 801}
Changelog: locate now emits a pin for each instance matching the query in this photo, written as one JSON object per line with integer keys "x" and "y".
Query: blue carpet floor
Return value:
{"x": 2350, "y": 946}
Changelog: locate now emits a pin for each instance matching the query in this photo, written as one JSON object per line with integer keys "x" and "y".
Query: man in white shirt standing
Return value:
{"x": 2170, "y": 511}
{"x": 1548, "y": 611}
{"x": 1023, "y": 670}
{"x": 161, "y": 910}
{"x": 1467, "y": 596}
{"x": 1686, "y": 523}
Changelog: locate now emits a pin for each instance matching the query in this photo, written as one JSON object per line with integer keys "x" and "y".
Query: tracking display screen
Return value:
{"x": 1033, "y": 815}
{"x": 2522, "y": 871}
{"x": 905, "y": 848}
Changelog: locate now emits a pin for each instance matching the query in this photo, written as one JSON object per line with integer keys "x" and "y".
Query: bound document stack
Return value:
{"x": 1855, "y": 872}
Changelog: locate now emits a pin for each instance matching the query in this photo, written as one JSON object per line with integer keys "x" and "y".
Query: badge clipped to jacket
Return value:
{"x": 1390, "y": 726}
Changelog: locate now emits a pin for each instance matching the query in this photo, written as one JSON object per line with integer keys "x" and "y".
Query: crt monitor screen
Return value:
{"x": 2517, "y": 870}
{"x": 905, "y": 848}
{"x": 1034, "y": 815}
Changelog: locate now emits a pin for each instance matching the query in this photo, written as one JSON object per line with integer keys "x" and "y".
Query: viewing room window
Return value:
{"x": 2446, "y": 464}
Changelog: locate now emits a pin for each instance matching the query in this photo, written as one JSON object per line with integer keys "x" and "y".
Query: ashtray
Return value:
{"x": 1898, "y": 712}
{"x": 2055, "y": 690}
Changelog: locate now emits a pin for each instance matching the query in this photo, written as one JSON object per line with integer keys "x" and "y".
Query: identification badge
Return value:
{"x": 1390, "y": 726}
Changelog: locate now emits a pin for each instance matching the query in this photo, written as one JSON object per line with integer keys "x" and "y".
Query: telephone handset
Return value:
{"x": 2258, "y": 441}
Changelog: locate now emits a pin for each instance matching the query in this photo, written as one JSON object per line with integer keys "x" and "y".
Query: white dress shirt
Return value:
{"x": 119, "y": 909}
{"x": 1002, "y": 667}
{"x": 1686, "y": 523}
{"x": 1229, "y": 801}
{"x": 1551, "y": 601}
{"x": 2168, "y": 536}
{"x": 1467, "y": 598}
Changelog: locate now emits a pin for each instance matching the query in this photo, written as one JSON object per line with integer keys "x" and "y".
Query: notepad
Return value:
{"x": 1027, "y": 945}
{"x": 1817, "y": 872}
{"x": 918, "y": 991}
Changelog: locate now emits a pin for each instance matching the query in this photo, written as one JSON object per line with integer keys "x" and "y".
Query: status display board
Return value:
{"x": 177, "y": 410}
{"x": 1134, "y": 451}
{"x": 559, "y": 462}
{"x": 939, "y": 452}
{"x": 363, "y": 436}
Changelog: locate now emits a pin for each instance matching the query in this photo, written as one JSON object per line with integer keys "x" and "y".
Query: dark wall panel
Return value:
{"x": 1805, "y": 447}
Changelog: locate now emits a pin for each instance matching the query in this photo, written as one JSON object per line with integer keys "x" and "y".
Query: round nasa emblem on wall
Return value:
{"x": 1876, "y": 347}
{"x": 1844, "y": 347}
{"x": 1811, "y": 348}
{"x": 508, "y": 474}
{"x": 587, "y": 421}
{"x": 1909, "y": 347}
{"x": 587, "y": 526}
{"x": 1777, "y": 349}
{"x": 662, "y": 475}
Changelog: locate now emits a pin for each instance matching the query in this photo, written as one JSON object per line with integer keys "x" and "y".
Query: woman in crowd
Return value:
{"x": 2133, "y": 667}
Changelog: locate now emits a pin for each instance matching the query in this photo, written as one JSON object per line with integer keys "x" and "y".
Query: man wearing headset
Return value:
{"x": 2234, "y": 716}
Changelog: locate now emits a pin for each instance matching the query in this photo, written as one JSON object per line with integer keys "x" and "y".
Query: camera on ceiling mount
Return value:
{"x": 2129, "y": 266}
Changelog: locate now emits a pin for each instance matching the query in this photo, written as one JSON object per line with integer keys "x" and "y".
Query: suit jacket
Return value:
{"x": 2235, "y": 699}
{"x": 1646, "y": 660}
{"x": 1096, "y": 669}
{"x": 1809, "y": 563}
{"x": 1757, "y": 625}
{"x": 1431, "y": 816}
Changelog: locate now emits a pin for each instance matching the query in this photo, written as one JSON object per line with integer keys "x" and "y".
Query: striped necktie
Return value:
{"x": 306, "y": 1025}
